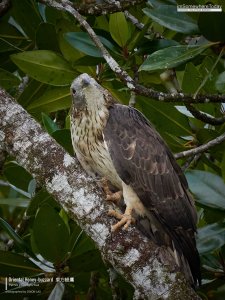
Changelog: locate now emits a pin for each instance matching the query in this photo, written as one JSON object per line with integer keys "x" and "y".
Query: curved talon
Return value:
{"x": 125, "y": 219}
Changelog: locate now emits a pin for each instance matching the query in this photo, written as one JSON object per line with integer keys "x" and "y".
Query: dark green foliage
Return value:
{"x": 168, "y": 16}
{"x": 52, "y": 49}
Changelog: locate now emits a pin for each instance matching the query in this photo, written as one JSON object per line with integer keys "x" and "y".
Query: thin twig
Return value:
{"x": 4, "y": 183}
{"x": 134, "y": 20}
{"x": 201, "y": 148}
{"x": 190, "y": 161}
{"x": 23, "y": 84}
{"x": 204, "y": 117}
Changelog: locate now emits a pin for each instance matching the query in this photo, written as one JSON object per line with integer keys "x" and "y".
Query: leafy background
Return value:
{"x": 42, "y": 51}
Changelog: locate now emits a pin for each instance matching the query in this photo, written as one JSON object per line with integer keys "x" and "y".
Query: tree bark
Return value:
{"x": 149, "y": 268}
{"x": 92, "y": 7}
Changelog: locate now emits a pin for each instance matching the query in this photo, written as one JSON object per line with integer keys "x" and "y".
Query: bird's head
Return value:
{"x": 88, "y": 95}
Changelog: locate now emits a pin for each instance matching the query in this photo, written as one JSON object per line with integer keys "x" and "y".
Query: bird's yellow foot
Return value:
{"x": 125, "y": 219}
{"x": 110, "y": 196}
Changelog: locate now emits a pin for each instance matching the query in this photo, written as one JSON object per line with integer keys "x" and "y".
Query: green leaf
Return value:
{"x": 165, "y": 117}
{"x": 223, "y": 167}
{"x": 191, "y": 79}
{"x": 10, "y": 37}
{"x": 40, "y": 198}
{"x": 220, "y": 82}
{"x": 171, "y": 57}
{"x": 169, "y": 17}
{"x": 65, "y": 218}
{"x": 83, "y": 244}
{"x": 211, "y": 237}
{"x": 212, "y": 261}
{"x": 53, "y": 15}
{"x": 57, "y": 292}
{"x": 49, "y": 124}
{"x": 63, "y": 137}
{"x": 86, "y": 262}
{"x": 116, "y": 88}
{"x": 86, "y": 61}
{"x": 155, "y": 45}
{"x": 212, "y": 26}
{"x": 32, "y": 187}
{"x": 83, "y": 283}
{"x": 102, "y": 22}
{"x": 33, "y": 90}
{"x": 15, "y": 265}
{"x": 18, "y": 202}
{"x": 83, "y": 42}
{"x": 50, "y": 234}
{"x": 17, "y": 175}
{"x": 69, "y": 52}
{"x": 53, "y": 99}
{"x": 204, "y": 135}
{"x": 8, "y": 80}
{"x": 75, "y": 236}
{"x": 27, "y": 16}
{"x": 211, "y": 215}
{"x": 16, "y": 238}
{"x": 45, "y": 66}
{"x": 118, "y": 28}
{"x": 175, "y": 144}
{"x": 207, "y": 69}
{"x": 208, "y": 188}
{"x": 138, "y": 36}
{"x": 46, "y": 37}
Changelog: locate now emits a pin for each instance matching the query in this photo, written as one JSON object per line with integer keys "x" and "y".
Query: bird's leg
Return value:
{"x": 114, "y": 197}
{"x": 125, "y": 219}
{"x": 110, "y": 196}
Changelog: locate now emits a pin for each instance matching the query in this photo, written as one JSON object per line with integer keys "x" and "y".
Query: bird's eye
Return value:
{"x": 73, "y": 91}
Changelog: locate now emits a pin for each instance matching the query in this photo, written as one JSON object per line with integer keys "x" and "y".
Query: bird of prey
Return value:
{"x": 117, "y": 142}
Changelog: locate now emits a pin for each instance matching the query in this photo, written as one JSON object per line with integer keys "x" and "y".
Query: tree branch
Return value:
{"x": 201, "y": 148}
{"x": 2, "y": 151}
{"x": 204, "y": 117}
{"x": 65, "y": 5}
{"x": 134, "y": 20}
{"x": 106, "y": 7}
{"x": 150, "y": 269}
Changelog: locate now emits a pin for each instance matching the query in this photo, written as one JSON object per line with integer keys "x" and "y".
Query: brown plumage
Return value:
{"x": 118, "y": 143}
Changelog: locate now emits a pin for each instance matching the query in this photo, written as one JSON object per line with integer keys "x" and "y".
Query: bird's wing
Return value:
{"x": 143, "y": 161}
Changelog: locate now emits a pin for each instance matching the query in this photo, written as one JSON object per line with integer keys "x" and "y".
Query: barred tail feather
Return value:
{"x": 181, "y": 245}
